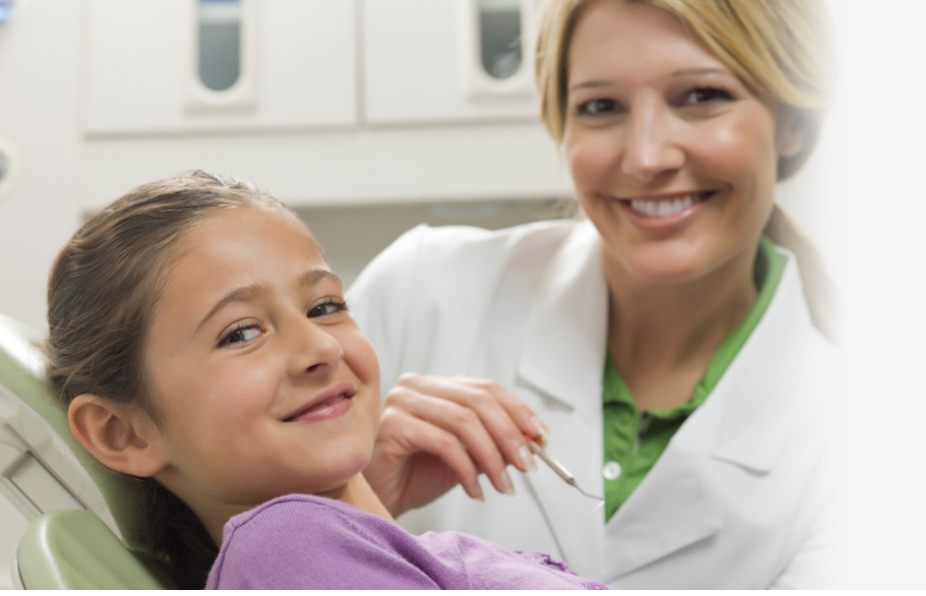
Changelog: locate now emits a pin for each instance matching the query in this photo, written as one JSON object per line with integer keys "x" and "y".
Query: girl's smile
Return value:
{"x": 330, "y": 403}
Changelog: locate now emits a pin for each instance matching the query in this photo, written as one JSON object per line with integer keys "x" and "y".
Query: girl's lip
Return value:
{"x": 329, "y": 403}
{"x": 663, "y": 212}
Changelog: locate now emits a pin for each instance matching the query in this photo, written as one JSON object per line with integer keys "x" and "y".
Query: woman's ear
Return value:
{"x": 791, "y": 133}
{"x": 121, "y": 438}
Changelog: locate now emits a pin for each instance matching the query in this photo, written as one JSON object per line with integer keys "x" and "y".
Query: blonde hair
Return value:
{"x": 780, "y": 49}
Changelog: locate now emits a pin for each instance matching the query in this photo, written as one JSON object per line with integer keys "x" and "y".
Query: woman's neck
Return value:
{"x": 662, "y": 336}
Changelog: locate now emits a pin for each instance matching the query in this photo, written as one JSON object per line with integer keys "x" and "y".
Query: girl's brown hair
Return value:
{"x": 101, "y": 292}
{"x": 780, "y": 49}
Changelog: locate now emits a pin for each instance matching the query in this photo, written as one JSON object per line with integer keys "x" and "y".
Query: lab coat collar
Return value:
{"x": 568, "y": 324}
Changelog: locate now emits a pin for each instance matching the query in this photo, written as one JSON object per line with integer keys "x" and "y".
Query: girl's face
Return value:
{"x": 262, "y": 382}
{"x": 673, "y": 158}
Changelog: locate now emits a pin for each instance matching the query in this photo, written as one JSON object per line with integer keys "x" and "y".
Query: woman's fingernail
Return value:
{"x": 479, "y": 496}
{"x": 540, "y": 428}
{"x": 527, "y": 459}
{"x": 507, "y": 486}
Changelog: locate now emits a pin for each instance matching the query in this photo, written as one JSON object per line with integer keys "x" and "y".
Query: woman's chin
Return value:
{"x": 660, "y": 268}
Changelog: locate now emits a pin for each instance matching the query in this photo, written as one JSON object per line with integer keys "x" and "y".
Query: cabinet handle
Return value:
{"x": 216, "y": 20}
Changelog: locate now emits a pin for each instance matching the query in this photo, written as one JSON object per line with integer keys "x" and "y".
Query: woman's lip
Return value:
{"x": 329, "y": 403}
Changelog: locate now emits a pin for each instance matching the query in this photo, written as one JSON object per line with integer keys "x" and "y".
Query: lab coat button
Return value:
{"x": 611, "y": 471}
{"x": 596, "y": 586}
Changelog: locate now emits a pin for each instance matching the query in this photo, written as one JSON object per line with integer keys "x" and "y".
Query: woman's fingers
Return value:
{"x": 463, "y": 425}
{"x": 499, "y": 412}
{"x": 415, "y": 462}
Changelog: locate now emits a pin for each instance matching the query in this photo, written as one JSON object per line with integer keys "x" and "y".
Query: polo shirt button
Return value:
{"x": 596, "y": 586}
{"x": 611, "y": 471}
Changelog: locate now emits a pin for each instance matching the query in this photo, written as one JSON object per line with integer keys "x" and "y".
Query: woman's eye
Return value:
{"x": 705, "y": 95}
{"x": 327, "y": 307}
{"x": 241, "y": 334}
{"x": 597, "y": 107}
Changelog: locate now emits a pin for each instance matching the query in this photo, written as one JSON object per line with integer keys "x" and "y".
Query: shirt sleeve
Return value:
{"x": 298, "y": 545}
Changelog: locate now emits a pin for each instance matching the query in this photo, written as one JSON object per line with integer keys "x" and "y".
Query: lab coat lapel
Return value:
{"x": 566, "y": 332}
{"x": 563, "y": 360}
{"x": 673, "y": 508}
{"x": 752, "y": 390}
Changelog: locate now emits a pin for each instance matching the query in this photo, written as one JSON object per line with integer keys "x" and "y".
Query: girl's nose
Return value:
{"x": 316, "y": 352}
{"x": 651, "y": 146}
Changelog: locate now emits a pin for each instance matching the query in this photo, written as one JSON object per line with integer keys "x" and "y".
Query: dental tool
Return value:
{"x": 557, "y": 467}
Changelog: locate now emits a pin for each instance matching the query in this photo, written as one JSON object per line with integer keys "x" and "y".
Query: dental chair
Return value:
{"x": 84, "y": 524}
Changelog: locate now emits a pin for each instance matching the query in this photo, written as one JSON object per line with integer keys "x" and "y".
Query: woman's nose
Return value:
{"x": 315, "y": 350}
{"x": 651, "y": 145}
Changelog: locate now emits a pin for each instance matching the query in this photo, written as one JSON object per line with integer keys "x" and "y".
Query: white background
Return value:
{"x": 882, "y": 123}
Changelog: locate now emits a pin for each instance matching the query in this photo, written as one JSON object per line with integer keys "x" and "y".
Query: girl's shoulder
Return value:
{"x": 304, "y": 541}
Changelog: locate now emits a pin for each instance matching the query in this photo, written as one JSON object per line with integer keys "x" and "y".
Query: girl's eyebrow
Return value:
{"x": 242, "y": 294}
{"x": 316, "y": 275}
{"x": 249, "y": 292}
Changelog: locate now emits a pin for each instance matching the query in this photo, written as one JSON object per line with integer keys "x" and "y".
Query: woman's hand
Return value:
{"x": 436, "y": 432}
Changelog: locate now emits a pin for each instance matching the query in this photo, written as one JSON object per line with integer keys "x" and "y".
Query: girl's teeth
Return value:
{"x": 664, "y": 208}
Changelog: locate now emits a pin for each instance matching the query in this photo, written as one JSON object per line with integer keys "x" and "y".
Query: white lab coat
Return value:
{"x": 743, "y": 496}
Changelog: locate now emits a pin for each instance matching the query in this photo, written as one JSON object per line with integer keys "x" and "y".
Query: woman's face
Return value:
{"x": 673, "y": 158}
{"x": 262, "y": 382}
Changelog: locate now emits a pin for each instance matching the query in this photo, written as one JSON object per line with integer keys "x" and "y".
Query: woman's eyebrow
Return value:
{"x": 593, "y": 84}
{"x": 682, "y": 72}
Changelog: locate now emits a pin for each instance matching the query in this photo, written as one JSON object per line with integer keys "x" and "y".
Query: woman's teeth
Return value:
{"x": 666, "y": 207}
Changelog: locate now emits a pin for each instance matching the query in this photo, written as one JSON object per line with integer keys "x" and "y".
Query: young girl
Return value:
{"x": 202, "y": 345}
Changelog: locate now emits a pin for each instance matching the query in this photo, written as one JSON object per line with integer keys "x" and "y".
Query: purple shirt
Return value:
{"x": 304, "y": 541}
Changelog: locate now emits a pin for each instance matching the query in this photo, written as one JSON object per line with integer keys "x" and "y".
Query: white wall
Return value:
{"x": 75, "y": 160}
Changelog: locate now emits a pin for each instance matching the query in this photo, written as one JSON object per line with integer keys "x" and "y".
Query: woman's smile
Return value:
{"x": 663, "y": 212}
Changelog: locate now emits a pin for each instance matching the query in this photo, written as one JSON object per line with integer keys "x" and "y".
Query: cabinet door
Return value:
{"x": 295, "y": 68}
{"x": 448, "y": 60}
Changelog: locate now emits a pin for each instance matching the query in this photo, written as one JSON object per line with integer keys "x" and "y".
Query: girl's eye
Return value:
{"x": 705, "y": 95}
{"x": 244, "y": 332}
{"x": 327, "y": 307}
{"x": 597, "y": 107}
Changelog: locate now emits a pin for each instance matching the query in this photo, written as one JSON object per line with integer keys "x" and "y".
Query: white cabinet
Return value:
{"x": 141, "y": 67}
{"x": 423, "y": 61}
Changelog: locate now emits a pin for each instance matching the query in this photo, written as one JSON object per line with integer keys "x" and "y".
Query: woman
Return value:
{"x": 667, "y": 341}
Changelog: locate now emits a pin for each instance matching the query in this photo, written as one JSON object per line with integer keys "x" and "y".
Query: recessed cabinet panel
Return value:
{"x": 144, "y": 60}
{"x": 430, "y": 61}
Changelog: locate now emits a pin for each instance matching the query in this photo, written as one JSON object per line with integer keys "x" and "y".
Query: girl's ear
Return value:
{"x": 123, "y": 439}
{"x": 791, "y": 133}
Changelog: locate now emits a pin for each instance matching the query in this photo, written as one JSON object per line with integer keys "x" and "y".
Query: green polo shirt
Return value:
{"x": 634, "y": 440}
